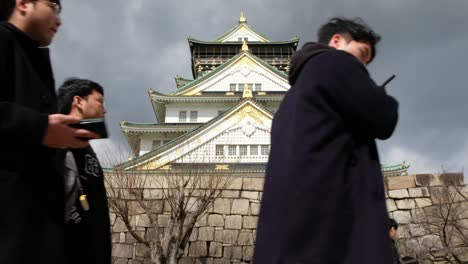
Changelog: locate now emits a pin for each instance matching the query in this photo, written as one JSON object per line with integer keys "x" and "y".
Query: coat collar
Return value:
{"x": 23, "y": 38}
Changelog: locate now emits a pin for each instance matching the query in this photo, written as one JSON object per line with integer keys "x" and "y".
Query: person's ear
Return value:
{"x": 335, "y": 41}
{"x": 77, "y": 102}
{"x": 22, "y": 6}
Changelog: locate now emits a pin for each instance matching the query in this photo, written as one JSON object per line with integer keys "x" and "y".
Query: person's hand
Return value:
{"x": 60, "y": 135}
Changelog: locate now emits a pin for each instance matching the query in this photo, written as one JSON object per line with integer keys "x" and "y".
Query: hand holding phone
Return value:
{"x": 96, "y": 125}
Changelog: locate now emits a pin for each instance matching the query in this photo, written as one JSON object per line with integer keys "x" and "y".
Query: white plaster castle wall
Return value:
{"x": 244, "y": 73}
{"x": 205, "y": 112}
{"x": 247, "y": 133}
{"x": 146, "y": 142}
{"x": 242, "y": 33}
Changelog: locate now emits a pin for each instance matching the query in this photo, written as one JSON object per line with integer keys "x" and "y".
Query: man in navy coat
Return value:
{"x": 323, "y": 198}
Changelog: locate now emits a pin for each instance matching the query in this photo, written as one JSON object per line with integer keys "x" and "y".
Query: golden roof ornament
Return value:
{"x": 242, "y": 18}
{"x": 247, "y": 92}
{"x": 245, "y": 47}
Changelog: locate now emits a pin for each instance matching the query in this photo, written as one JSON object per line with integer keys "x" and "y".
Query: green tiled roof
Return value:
{"x": 128, "y": 127}
{"x": 285, "y": 42}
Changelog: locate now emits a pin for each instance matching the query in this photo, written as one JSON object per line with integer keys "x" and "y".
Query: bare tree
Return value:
{"x": 441, "y": 232}
{"x": 167, "y": 201}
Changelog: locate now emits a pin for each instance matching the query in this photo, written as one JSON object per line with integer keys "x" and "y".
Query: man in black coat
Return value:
{"x": 31, "y": 183}
{"x": 87, "y": 230}
{"x": 323, "y": 199}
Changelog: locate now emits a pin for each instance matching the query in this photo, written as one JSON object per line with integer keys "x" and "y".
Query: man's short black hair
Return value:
{"x": 7, "y": 7}
{"x": 354, "y": 29}
{"x": 75, "y": 87}
{"x": 392, "y": 223}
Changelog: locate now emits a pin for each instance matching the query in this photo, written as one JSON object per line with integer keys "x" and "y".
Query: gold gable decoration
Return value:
{"x": 242, "y": 18}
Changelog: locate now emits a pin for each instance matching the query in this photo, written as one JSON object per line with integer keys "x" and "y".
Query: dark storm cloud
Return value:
{"x": 133, "y": 46}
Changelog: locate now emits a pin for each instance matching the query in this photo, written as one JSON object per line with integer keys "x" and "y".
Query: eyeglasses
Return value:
{"x": 56, "y": 7}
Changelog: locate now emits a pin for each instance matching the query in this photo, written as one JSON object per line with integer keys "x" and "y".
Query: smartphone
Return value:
{"x": 387, "y": 81}
{"x": 96, "y": 125}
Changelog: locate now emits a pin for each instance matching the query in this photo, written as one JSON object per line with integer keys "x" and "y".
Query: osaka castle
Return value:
{"x": 221, "y": 116}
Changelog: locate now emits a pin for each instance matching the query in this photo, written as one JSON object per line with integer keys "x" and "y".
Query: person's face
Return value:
{"x": 91, "y": 106}
{"x": 361, "y": 50}
{"x": 393, "y": 233}
{"x": 43, "y": 20}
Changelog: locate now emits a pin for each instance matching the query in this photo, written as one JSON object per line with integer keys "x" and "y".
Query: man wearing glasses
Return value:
{"x": 31, "y": 134}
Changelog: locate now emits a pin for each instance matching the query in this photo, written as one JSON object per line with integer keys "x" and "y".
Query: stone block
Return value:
{"x": 424, "y": 180}
{"x": 250, "y": 222}
{"x": 418, "y": 215}
{"x": 233, "y": 222}
{"x": 226, "y": 236}
{"x": 402, "y": 217}
{"x": 156, "y": 206}
{"x": 249, "y": 195}
{"x": 206, "y": 233}
{"x": 122, "y": 251}
{"x": 252, "y": 184}
{"x": 418, "y": 192}
{"x": 119, "y": 226}
{"x": 247, "y": 253}
{"x": 423, "y": 202}
{"x": 216, "y": 249}
{"x": 142, "y": 251}
{"x": 245, "y": 239}
{"x": 163, "y": 220}
{"x": 143, "y": 221}
{"x": 135, "y": 208}
{"x": 215, "y": 220}
{"x": 120, "y": 261}
{"x": 398, "y": 194}
{"x": 230, "y": 194}
{"x": 115, "y": 237}
{"x": 417, "y": 230}
{"x": 391, "y": 206}
{"x": 400, "y": 182}
{"x": 194, "y": 235}
{"x": 130, "y": 239}
{"x": 451, "y": 179}
{"x": 235, "y": 184}
{"x": 112, "y": 218}
{"x": 254, "y": 208}
{"x": 233, "y": 252}
{"x": 405, "y": 204}
{"x": 222, "y": 206}
{"x": 122, "y": 237}
{"x": 152, "y": 194}
{"x": 203, "y": 260}
{"x": 198, "y": 249}
{"x": 221, "y": 261}
{"x": 240, "y": 206}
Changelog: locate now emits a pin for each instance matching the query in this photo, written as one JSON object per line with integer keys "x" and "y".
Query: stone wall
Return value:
{"x": 226, "y": 233}
{"x": 419, "y": 203}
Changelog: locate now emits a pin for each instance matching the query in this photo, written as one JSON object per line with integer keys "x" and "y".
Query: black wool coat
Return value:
{"x": 323, "y": 199}
{"x": 31, "y": 189}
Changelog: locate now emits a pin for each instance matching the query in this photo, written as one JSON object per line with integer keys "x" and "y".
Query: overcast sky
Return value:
{"x": 133, "y": 46}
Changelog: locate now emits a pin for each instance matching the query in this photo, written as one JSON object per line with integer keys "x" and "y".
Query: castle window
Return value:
{"x": 243, "y": 150}
{"x": 265, "y": 150}
{"x": 193, "y": 116}
{"x": 219, "y": 150}
{"x": 253, "y": 150}
{"x": 232, "y": 150}
{"x": 182, "y": 116}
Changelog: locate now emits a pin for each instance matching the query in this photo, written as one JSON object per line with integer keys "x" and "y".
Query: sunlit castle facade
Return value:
{"x": 221, "y": 116}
